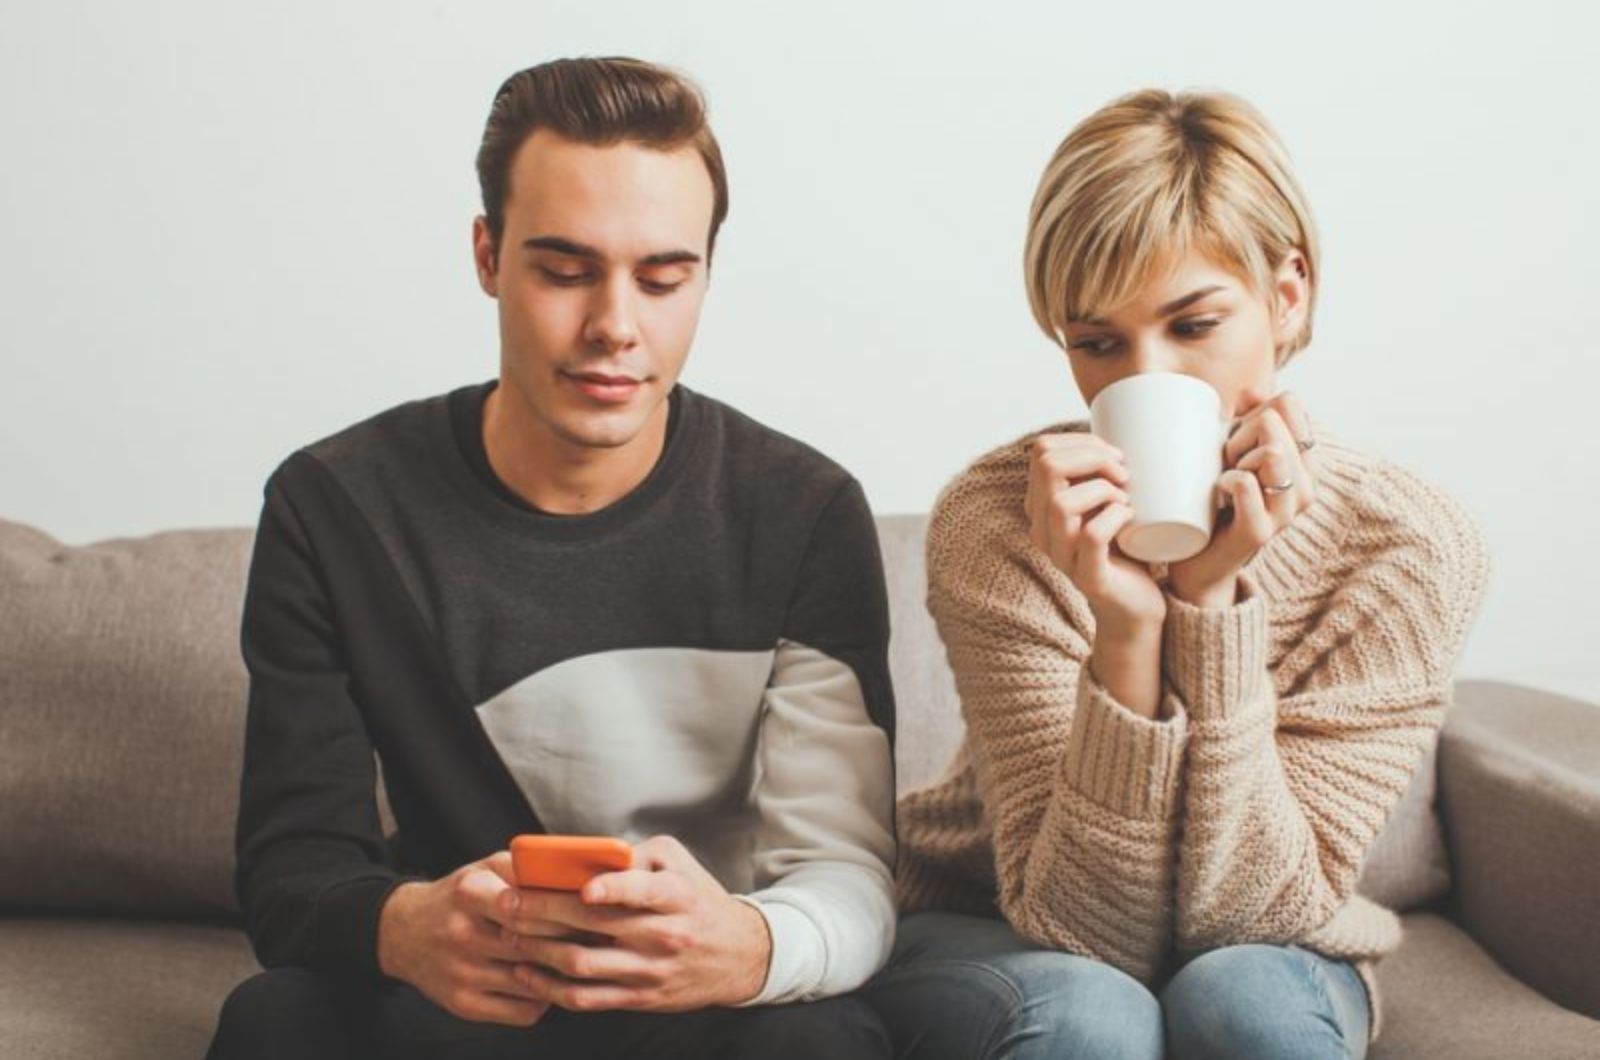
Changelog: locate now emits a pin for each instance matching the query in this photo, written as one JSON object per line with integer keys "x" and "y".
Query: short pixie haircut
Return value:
{"x": 1146, "y": 179}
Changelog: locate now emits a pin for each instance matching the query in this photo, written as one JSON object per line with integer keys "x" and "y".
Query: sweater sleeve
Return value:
{"x": 825, "y": 849}
{"x": 1082, "y": 793}
{"x": 1285, "y": 792}
{"x": 311, "y": 872}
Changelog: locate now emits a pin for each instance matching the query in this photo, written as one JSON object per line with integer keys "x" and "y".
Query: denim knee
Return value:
{"x": 1071, "y": 1006}
{"x": 1026, "y": 1005}
{"x": 1260, "y": 1000}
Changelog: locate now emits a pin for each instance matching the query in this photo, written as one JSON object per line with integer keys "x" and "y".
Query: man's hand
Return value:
{"x": 661, "y": 937}
{"x": 443, "y": 938}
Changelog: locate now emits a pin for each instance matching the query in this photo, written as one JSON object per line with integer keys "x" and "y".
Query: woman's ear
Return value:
{"x": 1291, "y": 290}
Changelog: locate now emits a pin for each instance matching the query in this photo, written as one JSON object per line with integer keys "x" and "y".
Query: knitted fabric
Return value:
{"x": 1289, "y": 728}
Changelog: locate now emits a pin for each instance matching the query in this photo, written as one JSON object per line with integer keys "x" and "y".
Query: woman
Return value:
{"x": 1171, "y": 777}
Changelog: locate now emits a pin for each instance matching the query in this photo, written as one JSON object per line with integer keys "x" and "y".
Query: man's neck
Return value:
{"x": 558, "y": 476}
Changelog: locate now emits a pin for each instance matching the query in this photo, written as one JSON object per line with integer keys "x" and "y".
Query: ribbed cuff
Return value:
{"x": 1216, "y": 658}
{"x": 347, "y": 923}
{"x": 798, "y": 953}
{"x": 1121, "y": 760}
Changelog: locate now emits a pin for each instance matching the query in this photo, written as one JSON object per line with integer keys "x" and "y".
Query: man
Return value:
{"x": 580, "y": 599}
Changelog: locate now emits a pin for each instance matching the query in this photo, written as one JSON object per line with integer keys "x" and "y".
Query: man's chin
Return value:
{"x": 611, "y": 430}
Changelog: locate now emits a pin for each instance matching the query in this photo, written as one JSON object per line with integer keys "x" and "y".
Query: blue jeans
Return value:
{"x": 969, "y": 988}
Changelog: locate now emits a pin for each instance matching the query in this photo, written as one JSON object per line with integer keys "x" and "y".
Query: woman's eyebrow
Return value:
{"x": 1165, "y": 311}
{"x": 1188, "y": 300}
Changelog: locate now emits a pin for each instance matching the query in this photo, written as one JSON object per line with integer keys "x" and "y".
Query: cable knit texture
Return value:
{"x": 1290, "y": 726}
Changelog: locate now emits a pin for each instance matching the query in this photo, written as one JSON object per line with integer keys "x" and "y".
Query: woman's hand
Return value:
{"x": 1268, "y": 479}
{"x": 1076, "y": 505}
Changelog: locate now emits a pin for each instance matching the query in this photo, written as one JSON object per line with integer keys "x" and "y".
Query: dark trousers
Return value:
{"x": 296, "y": 1014}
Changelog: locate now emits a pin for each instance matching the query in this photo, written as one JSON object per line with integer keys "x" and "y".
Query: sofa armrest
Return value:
{"x": 1519, "y": 792}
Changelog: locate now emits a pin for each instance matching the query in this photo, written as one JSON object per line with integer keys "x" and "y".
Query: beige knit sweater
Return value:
{"x": 1290, "y": 727}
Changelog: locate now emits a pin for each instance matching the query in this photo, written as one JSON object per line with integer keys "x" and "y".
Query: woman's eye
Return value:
{"x": 1195, "y": 327}
{"x": 1094, "y": 347}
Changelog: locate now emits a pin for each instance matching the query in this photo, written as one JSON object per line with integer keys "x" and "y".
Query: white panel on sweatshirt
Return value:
{"x": 640, "y": 742}
{"x": 766, "y": 765}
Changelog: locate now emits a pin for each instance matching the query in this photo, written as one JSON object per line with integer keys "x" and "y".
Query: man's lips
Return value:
{"x": 604, "y": 387}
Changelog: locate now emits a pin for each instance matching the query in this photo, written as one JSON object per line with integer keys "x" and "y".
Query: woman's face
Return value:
{"x": 1200, "y": 319}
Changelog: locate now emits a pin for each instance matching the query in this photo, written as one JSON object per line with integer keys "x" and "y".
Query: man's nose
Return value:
{"x": 612, "y": 323}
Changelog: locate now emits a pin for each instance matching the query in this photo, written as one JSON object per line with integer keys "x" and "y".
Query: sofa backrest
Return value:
{"x": 122, "y": 722}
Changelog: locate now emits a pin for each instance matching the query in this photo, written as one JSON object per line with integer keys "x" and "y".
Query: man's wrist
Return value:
{"x": 756, "y": 934}
{"x": 392, "y": 921}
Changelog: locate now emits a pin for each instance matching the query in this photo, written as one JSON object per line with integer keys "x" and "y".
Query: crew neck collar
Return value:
{"x": 460, "y": 422}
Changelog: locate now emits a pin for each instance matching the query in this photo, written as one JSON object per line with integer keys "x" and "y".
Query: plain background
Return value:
{"x": 230, "y": 229}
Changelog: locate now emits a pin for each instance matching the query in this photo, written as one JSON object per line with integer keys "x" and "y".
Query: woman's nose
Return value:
{"x": 1147, "y": 357}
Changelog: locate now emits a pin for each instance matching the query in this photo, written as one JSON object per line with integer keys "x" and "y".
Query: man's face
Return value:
{"x": 600, "y": 274}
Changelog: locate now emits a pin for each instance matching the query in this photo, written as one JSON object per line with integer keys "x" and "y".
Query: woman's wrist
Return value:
{"x": 1213, "y": 595}
{"x": 1126, "y": 661}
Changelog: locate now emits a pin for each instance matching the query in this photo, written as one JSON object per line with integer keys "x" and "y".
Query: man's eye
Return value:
{"x": 564, "y": 279}
{"x": 1198, "y": 326}
{"x": 659, "y": 287}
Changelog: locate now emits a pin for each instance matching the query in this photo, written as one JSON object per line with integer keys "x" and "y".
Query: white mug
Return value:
{"x": 1170, "y": 429}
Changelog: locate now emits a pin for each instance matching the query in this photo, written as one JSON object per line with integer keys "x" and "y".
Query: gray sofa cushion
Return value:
{"x": 1519, "y": 776}
{"x": 1444, "y": 996}
{"x": 121, "y": 721}
{"x": 99, "y": 988}
{"x": 1407, "y": 867}
{"x": 929, "y": 726}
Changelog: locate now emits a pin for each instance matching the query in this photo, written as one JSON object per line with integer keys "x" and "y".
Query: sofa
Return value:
{"x": 121, "y": 726}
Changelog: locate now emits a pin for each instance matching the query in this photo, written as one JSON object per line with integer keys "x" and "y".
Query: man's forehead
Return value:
{"x": 624, "y": 198}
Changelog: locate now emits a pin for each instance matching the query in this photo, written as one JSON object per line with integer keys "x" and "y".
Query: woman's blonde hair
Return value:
{"x": 1146, "y": 179}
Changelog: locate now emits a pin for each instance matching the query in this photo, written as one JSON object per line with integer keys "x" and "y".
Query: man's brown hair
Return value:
{"x": 598, "y": 102}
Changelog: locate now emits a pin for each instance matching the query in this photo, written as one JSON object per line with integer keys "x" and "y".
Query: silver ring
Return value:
{"x": 1273, "y": 491}
{"x": 1306, "y": 445}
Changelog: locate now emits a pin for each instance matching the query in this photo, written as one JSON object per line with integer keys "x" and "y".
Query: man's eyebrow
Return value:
{"x": 1167, "y": 310}
{"x": 583, "y": 250}
{"x": 670, "y": 257}
{"x": 562, "y": 246}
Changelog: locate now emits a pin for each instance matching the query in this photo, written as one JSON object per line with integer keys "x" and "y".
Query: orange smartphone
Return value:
{"x": 566, "y": 862}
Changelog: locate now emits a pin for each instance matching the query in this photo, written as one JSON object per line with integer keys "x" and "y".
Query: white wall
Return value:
{"x": 228, "y": 229}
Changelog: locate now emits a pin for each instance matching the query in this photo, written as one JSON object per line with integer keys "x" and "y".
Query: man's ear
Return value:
{"x": 485, "y": 256}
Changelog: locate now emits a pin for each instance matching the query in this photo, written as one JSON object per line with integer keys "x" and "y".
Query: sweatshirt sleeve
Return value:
{"x": 311, "y": 873}
{"x": 1286, "y": 791}
{"x": 825, "y": 769}
{"x": 1081, "y": 793}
